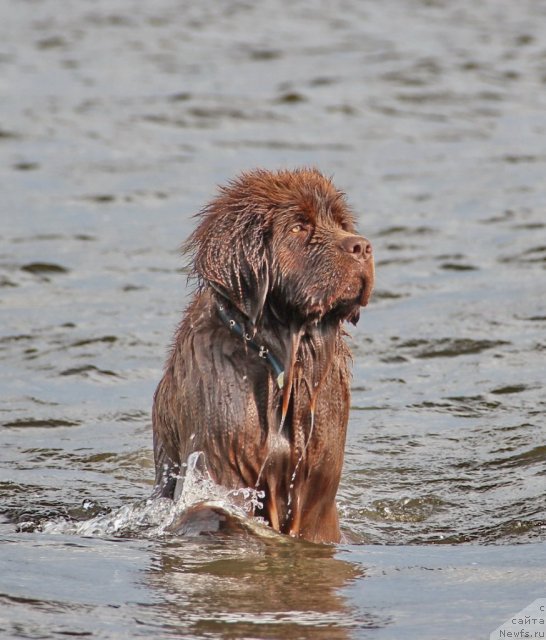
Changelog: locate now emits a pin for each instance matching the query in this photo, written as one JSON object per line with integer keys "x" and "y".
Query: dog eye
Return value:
{"x": 297, "y": 228}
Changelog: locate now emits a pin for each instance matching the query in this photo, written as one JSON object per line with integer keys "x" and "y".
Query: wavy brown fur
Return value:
{"x": 278, "y": 251}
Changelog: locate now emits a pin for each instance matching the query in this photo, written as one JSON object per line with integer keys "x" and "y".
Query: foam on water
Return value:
{"x": 152, "y": 517}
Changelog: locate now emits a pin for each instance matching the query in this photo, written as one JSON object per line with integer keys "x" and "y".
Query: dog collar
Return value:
{"x": 238, "y": 329}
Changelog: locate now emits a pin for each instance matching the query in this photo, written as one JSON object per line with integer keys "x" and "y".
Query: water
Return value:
{"x": 117, "y": 119}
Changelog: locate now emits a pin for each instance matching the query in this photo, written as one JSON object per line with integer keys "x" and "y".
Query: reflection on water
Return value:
{"x": 255, "y": 588}
{"x": 117, "y": 121}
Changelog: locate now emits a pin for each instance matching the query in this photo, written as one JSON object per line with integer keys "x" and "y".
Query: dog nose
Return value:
{"x": 359, "y": 247}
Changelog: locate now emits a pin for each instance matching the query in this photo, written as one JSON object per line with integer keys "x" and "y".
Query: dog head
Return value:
{"x": 286, "y": 238}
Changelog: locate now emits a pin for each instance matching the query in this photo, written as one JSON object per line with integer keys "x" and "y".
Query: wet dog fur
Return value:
{"x": 258, "y": 377}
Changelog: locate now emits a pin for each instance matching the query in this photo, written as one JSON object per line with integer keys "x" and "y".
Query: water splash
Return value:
{"x": 151, "y": 518}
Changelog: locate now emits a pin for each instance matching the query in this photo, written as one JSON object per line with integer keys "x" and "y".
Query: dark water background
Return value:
{"x": 117, "y": 120}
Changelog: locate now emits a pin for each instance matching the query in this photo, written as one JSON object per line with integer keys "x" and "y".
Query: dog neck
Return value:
{"x": 278, "y": 343}
{"x": 239, "y": 329}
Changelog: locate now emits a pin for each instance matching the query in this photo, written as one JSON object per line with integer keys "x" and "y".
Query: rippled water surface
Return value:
{"x": 117, "y": 120}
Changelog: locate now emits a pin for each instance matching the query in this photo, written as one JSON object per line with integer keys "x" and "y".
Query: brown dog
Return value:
{"x": 258, "y": 378}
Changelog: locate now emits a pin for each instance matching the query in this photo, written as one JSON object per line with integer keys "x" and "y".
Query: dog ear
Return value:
{"x": 230, "y": 253}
